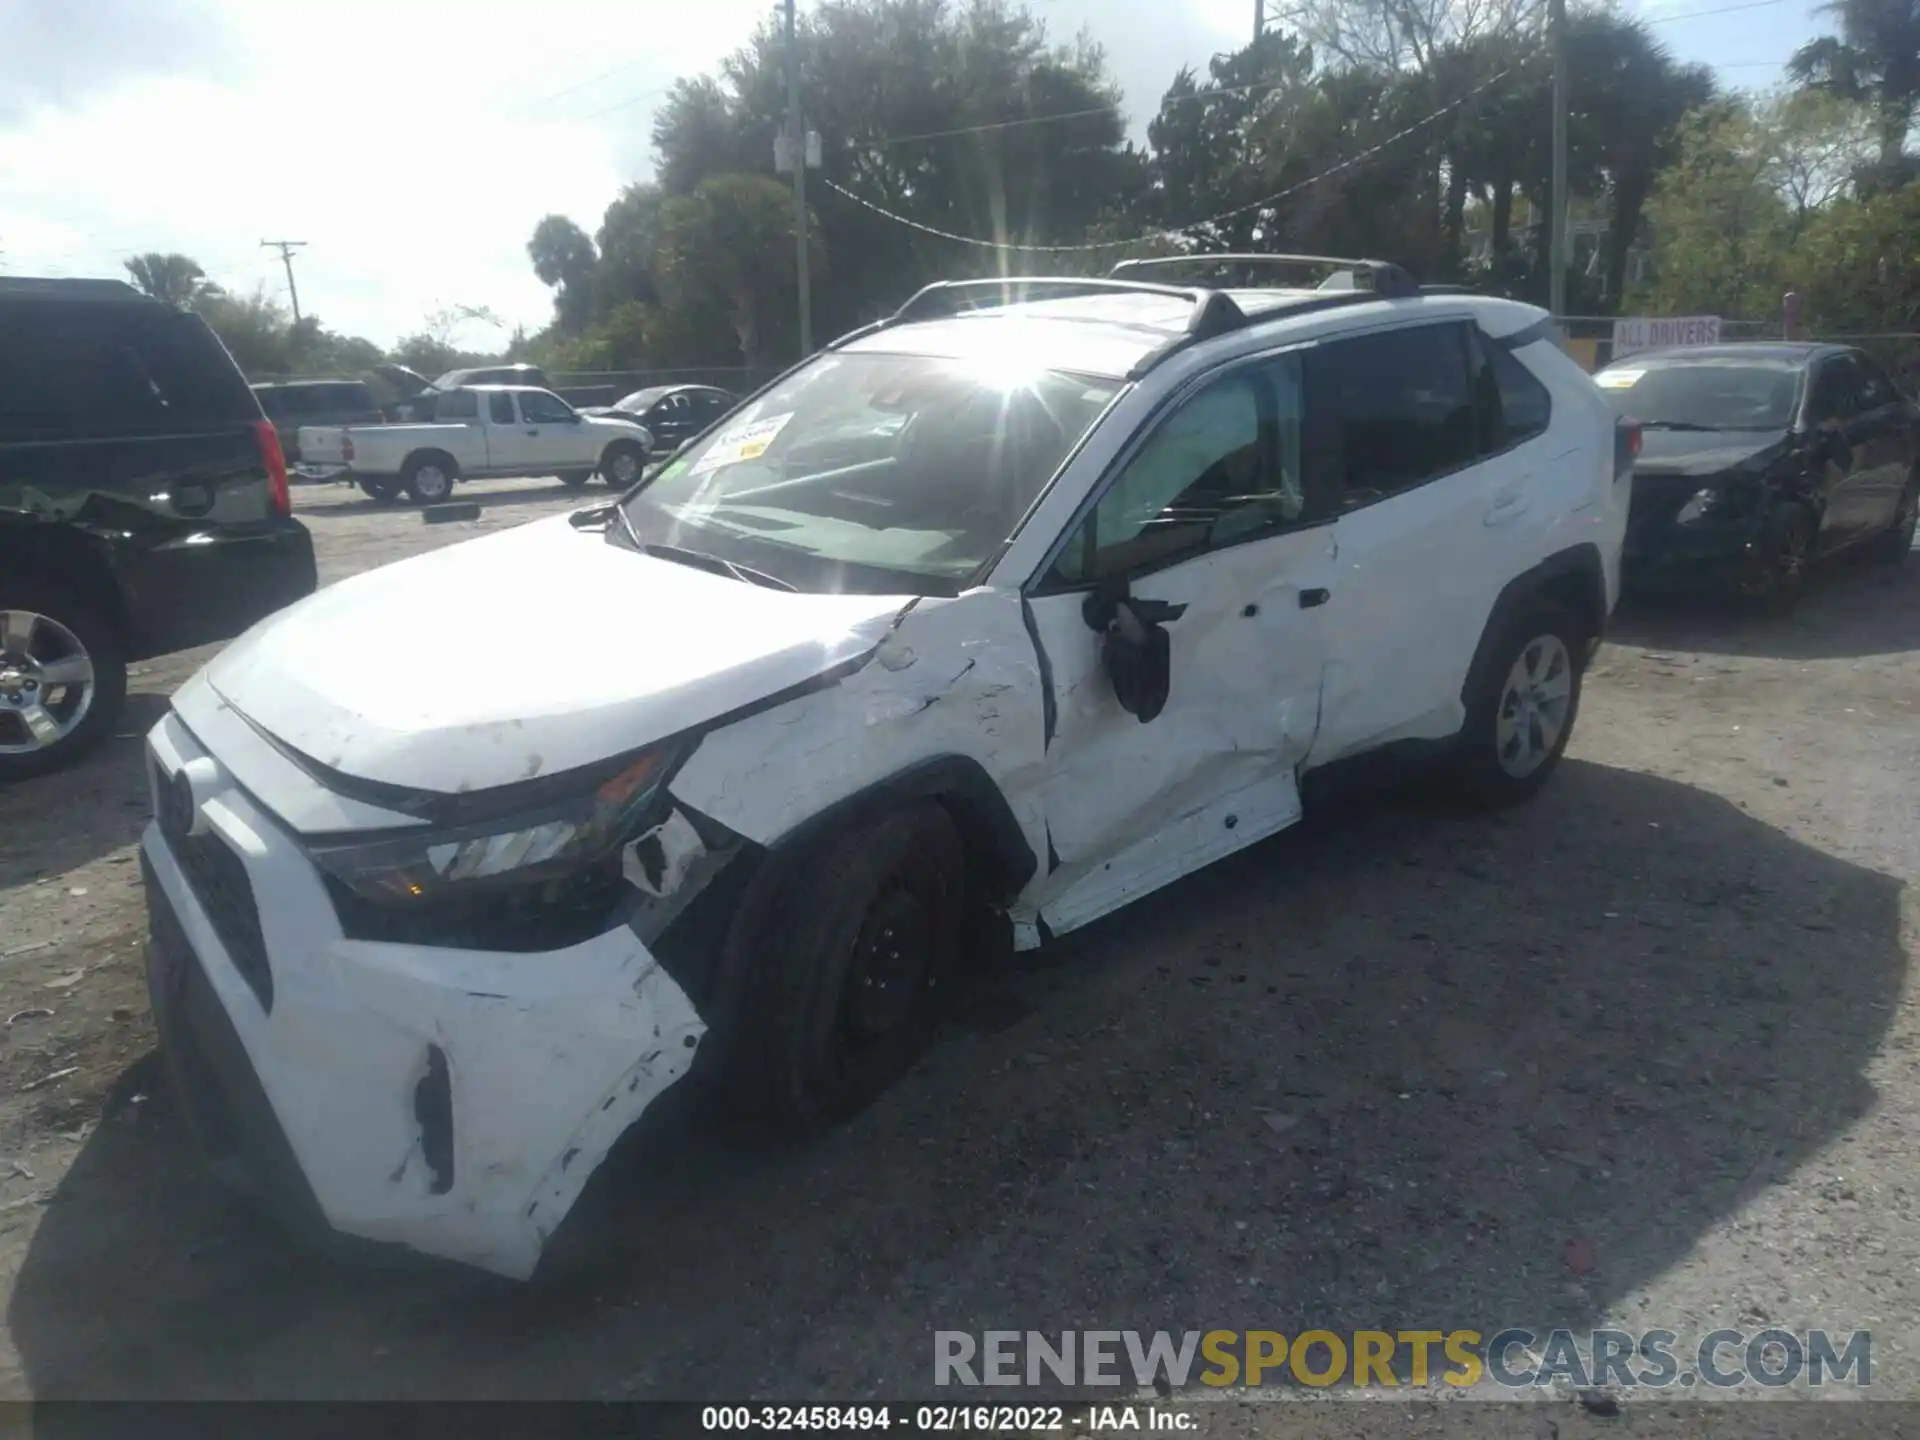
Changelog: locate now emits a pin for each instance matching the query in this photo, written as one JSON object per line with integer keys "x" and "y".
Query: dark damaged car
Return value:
{"x": 1757, "y": 460}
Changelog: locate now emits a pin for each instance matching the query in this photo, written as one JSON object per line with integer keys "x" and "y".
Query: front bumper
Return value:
{"x": 453, "y": 1101}
{"x": 213, "y": 584}
{"x": 1690, "y": 559}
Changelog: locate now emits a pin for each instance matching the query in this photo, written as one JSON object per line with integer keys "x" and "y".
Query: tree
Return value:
{"x": 1857, "y": 264}
{"x": 172, "y": 279}
{"x": 564, "y": 258}
{"x": 729, "y": 247}
{"x": 1874, "y": 60}
{"x": 254, "y": 327}
{"x": 962, "y": 117}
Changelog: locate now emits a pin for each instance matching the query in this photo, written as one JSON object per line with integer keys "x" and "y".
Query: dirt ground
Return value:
{"x": 1376, "y": 1073}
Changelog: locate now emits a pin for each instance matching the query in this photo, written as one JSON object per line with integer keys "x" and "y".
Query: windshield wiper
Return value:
{"x": 701, "y": 561}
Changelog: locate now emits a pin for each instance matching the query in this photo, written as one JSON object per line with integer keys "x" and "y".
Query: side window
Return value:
{"x": 500, "y": 408}
{"x": 1836, "y": 390}
{"x": 457, "y": 405}
{"x": 1876, "y": 390}
{"x": 1226, "y": 465}
{"x": 1514, "y": 405}
{"x": 1392, "y": 411}
{"x": 537, "y": 407}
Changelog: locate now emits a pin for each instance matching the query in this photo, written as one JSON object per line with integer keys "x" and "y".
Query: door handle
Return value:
{"x": 1316, "y": 596}
{"x": 1506, "y": 509}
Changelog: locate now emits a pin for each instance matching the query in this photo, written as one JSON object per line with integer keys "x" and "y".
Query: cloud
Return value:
{"x": 413, "y": 143}
{"x": 56, "y": 55}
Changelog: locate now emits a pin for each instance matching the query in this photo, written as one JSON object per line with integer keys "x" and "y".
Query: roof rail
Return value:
{"x": 1382, "y": 277}
{"x": 1212, "y": 312}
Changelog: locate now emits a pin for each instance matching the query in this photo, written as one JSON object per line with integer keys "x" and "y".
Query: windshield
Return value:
{"x": 873, "y": 473}
{"x": 1704, "y": 396}
{"x": 639, "y": 400}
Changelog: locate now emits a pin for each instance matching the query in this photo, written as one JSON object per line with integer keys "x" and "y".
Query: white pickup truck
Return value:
{"x": 482, "y": 431}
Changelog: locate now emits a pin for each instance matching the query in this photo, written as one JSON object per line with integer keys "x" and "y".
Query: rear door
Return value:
{"x": 1426, "y": 534}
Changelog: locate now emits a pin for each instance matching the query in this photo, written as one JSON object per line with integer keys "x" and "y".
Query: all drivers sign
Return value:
{"x": 1641, "y": 333}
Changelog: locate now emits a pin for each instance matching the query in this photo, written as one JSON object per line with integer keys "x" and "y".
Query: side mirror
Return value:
{"x": 1135, "y": 649}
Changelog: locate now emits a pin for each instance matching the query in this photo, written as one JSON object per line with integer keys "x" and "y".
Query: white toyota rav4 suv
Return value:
{"x": 991, "y": 617}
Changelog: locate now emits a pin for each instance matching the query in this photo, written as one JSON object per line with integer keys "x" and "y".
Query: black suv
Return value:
{"x": 143, "y": 506}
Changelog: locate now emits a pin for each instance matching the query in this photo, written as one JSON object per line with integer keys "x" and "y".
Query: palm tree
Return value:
{"x": 1875, "y": 60}
{"x": 171, "y": 279}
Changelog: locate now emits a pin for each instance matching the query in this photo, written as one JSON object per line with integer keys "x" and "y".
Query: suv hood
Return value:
{"x": 527, "y": 653}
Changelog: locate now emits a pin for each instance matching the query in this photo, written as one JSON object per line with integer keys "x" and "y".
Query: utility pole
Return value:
{"x": 1557, "y": 221}
{"x": 1259, "y": 19}
{"x": 286, "y": 249}
{"x": 797, "y": 151}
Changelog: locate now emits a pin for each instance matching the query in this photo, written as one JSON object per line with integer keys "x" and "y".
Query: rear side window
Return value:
{"x": 1390, "y": 411}
{"x": 458, "y": 405}
{"x": 1876, "y": 389}
{"x": 500, "y": 408}
{"x": 83, "y": 369}
{"x": 1514, "y": 406}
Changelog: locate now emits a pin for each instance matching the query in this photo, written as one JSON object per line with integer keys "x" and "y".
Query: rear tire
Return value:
{"x": 382, "y": 491}
{"x": 45, "y": 725}
{"x": 574, "y": 479}
{"x": 859, "y": 945}
{"x": 1523, "y": 706}
{"x": 429, "y": 478}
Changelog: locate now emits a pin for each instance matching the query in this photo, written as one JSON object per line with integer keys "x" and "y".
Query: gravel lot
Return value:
{"x": 1375, "y": 1073}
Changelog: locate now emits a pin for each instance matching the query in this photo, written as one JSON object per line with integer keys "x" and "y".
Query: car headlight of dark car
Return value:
{"x": 550, "y": 840}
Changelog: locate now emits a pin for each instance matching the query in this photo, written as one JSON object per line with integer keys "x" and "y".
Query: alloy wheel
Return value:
{"x": 46, "y": 682}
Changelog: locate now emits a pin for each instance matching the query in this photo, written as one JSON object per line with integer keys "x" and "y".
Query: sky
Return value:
{"x": 414, "y": 144}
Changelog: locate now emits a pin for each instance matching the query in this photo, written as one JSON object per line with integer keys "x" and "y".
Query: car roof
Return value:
{"x": 1110, "y": 334}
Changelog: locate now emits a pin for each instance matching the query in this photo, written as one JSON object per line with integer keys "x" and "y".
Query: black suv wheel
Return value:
{"x": 62, "y": 678}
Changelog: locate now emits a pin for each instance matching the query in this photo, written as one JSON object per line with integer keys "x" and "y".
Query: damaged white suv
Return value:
{"x": 984, "y": 621}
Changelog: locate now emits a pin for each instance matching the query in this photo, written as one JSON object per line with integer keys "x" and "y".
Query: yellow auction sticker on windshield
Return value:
{"x": 1618, "y": 379}
{"x": 743, "y": 442}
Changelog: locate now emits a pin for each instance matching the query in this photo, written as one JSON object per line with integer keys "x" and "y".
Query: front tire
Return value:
{"x": 1777, "y": 573}
{"x": 1521, "y": 712}
{"x": 621, "y": 464}
{"x": 428, "y": 478}
{"x": 862, "y": 940}
{"x": 63, "y": 678}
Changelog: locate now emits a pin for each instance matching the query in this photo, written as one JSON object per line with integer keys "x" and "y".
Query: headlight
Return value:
{"x": 555, "y": 839}
{"x": 1703, "y": 503}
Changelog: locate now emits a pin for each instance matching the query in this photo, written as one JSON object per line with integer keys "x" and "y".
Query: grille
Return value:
{"x": 219, "y": 882}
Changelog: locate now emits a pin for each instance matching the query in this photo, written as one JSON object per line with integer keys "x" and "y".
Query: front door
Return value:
{"x": 551, "y": 436}
{"x": 1206, "y": 517}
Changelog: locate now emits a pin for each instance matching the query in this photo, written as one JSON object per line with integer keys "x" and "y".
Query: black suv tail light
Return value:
{"x": 275, "y": 459}
{"x": 1626, "y": 446}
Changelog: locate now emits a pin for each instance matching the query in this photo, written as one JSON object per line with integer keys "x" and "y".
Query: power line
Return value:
{"x": 1177, "y": 230}
{"x": 1716, "y": 10}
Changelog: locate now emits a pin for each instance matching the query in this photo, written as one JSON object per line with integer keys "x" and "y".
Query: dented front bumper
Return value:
{"x": 453, "y": 1101}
